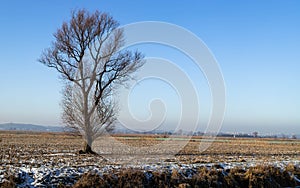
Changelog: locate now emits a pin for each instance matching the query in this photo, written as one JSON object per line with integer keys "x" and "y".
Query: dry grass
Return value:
{"x": 240, "y": 149}
{"x": 254, "y": 177}
{"x": 35, "y": 149}
{"x": 21, "y": 148}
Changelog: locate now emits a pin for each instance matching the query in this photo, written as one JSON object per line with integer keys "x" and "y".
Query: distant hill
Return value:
{"x": 30, "y": 127}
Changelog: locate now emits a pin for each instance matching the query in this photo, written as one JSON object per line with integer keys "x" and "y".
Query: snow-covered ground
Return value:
{"x": 48, "y": 175}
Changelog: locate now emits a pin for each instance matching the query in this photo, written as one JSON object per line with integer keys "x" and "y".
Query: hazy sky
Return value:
{"x": 256, "y": 44}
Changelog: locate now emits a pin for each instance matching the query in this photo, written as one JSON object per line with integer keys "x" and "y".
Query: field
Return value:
{"x": 31, "y": 159}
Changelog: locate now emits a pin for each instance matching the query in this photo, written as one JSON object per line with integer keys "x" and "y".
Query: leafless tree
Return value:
{"x": 255, "y": 134}
{"x": 87, "y": 52}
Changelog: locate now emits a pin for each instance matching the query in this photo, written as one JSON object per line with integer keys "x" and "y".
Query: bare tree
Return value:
{"x": 87, "y": 52}
{"x": 255, "y": 134}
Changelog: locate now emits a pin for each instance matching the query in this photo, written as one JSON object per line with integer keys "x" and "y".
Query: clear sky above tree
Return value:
{"x": 256, "y": 44}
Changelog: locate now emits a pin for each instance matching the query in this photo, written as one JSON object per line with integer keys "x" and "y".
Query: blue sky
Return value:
{"x": 256, "y": 44}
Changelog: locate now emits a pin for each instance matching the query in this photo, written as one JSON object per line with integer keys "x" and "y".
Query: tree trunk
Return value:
{"x": 88, "y": 147}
